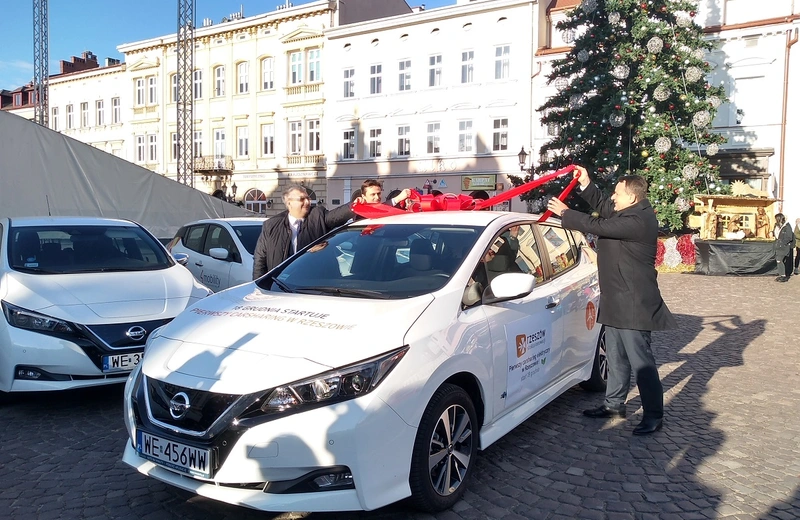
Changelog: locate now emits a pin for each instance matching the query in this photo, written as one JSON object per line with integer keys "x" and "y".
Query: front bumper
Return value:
{"x": 364, "y": 434}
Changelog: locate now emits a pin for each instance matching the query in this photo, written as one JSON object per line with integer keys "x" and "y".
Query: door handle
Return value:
{"x": 552, "y": 304}
{"x": 199, "y": 264}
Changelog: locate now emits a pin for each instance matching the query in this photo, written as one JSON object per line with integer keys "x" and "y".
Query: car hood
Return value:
{"x": 98, "y": 297}
{"x": 245, "y": 339}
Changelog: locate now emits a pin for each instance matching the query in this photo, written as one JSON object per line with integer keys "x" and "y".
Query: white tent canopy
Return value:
{"x": 43, "y": 172}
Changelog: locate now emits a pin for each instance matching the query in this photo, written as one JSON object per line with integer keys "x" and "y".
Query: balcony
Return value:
{"x": 305, "y": 93}
{"x": 214, "y": 165}
{"x": 305, "y": 160}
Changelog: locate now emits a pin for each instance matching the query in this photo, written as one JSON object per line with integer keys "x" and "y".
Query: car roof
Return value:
{"x": 69, "y": 221}
{"x": 464, "y": 218}
{"x": 229, "y": 220}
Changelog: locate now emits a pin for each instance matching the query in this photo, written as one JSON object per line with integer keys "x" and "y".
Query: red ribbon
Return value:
{"x": 452, "y": 202}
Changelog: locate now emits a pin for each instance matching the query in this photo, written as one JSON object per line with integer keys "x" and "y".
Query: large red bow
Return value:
{"x": 452, "y": 202}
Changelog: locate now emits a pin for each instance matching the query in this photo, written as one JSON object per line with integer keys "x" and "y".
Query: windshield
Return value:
{"x": 84, "y": 249}
{"x": 248, "y": 235}
{"x": 378, "y": 261}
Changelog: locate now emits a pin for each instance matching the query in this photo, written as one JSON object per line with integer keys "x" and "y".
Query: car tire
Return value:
{"x": 450, "y": 411}
{"x": 598, "y": 380}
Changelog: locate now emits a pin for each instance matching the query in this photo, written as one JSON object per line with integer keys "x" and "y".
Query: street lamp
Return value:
{"x": 234, "y": 187}
{"x": 523, "y": 156}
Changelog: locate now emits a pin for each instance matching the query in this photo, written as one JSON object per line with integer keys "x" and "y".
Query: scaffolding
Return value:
{"x": 184, "y": 95}
{"x": 41, "y": 57}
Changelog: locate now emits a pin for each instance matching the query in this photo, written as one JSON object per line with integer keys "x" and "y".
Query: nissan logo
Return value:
{"x": 136, "y": 333}
{"x": 179, "y": 405}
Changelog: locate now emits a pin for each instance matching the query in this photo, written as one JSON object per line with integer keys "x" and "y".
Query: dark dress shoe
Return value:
{"x": 783, "y": 279}
{"x": 603, "y": 412}
{"x": 648, "y": 426}
{"x": 780, "y": 278}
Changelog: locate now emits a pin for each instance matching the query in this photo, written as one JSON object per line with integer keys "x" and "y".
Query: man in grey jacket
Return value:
{"x": 630, "y": 301}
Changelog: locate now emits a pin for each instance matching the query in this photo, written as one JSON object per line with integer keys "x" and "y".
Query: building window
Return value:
{"x": 465, "y": 136}
{"x": 375, "y": 142}
{"x": 403, "y": 140}
{"x": 84, "y": 115}
{"x": 242, "y": 141}
{"x": 435, "y": 71}
{"x": 467, "y": 61}
{"x": 375, "y": 79}
{"x": 174, "y": 88}
{"x": 268, "y": 139}
{"x": 140, "y": 148}
{"x": 500, "y": 135}
{"x": 219, "y": 143}
{"x": 99, "y": 112}
{"x": 501, "y": 57}
{"x": 314, "y": 66}
{"x": 174, "y": 139}
{"x": 70, "y": 118}
{"x": 296, "y": 68}
{"x": 255, "y": 201}
{"x": 152, "y": 90}
{"x": 116, "y": 116}
{"x": 295, "y": 137}
{"x": 433, "y": 137}
{"x": 197, "y": 144}
{"x": 314, "y": 136}
{"x": 244, "y": 77}
{"x": 268, "y": 73}
{"x": 349, "y": 83}
{"x": 404, "y": 75}
{"x": 219, "y": 81}
{"x": 152, "y": 148}
{"x": 349, "y": 144}
{"x": 17, "y": 100}
{"x": 54, "y": 119}
{"x": 198, "y": 84}
{"x": 139, "y": 92}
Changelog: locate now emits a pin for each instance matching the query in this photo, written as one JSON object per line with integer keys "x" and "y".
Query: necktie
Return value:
{"x": 299, "y": 227}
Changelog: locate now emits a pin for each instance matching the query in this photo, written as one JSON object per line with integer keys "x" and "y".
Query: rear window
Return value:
{"x": 82, "y": 249}
{"x": 248, "y": 235}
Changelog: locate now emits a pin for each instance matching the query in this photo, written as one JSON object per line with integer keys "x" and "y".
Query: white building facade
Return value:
{"x": 433, "y": 100}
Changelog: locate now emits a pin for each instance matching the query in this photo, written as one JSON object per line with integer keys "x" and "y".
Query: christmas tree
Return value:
{"x": 632, "y": 98}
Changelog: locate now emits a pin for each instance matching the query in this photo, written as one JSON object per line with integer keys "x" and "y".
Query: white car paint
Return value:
{"x": 92, "y": 303}
{"x": 219, "y": 272}
{"x": 520, "y": 353}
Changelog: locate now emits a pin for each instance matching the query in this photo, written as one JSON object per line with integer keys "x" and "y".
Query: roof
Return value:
{"x": 67, "y": 221}
{"x": 559, "y": 5}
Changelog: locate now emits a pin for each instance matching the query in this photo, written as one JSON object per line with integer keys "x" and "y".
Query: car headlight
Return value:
{"x": 335, "y": 386}
{"x": 25, "y": 319}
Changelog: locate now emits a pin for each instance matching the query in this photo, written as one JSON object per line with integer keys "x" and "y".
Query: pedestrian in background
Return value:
{"x": 784, "y": 243}
{"x": 630, "y": 301}
{"x": 797, "y": 246}
{"x": 291, "y": 230}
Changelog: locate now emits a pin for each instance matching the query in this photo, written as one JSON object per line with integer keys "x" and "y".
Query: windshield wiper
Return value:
{"x": 37, "y": 270}
{"x": 340, "y": 291}
{"x": 282, "y": 286}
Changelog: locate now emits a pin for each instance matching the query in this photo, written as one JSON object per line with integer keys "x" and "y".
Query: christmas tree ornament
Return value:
{"x": 575, "y": 101}
{"x": 661, "y": 93}
{"x": 614, "y": 17}
{"x": 568, "y": 36}
{"x": 561, "y": 83}
{"x": 621, "y": 71}
{"x": 698, "y": 54}
{"x": 682, "y": 20}
{"x": 655, "y": 44}
{"x": 714, "y": 101}
{"x": 645, "y": 153}
{"x": 616, "y": 119}
{"x": 693, "y": 74}
{"x": 701, "y": 119}
{"x": 690, "y": 172}
{"x": 663, "y": 144}
{"x": 583, "y": 56}
{"x": 589, "y": 6}
{"x": 712, "y": 149}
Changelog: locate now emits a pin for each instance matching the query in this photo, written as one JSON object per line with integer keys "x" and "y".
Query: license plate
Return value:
{"x": 121, "y": 361}
{"x": 174, "y": 455}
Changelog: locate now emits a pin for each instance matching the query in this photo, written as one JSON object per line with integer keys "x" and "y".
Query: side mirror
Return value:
{"x": 181, "y": 258}
{"x": 510, "y": 286}
{"x": 220, "y": 253}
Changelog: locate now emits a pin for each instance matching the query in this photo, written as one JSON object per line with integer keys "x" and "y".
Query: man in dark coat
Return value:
{"x": 291, "y": 230}
{"x": 784, "y": 243}
{"x": 630, "y": 301}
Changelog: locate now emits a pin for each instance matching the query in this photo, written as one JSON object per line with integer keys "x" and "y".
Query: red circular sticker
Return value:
{"x": 591, "y": 315}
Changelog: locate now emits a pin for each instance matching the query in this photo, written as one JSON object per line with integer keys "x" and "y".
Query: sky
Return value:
{"x": 100, "y": 26}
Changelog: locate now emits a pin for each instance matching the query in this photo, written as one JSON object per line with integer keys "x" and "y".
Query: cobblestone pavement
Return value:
{"x": 730, "y": 447}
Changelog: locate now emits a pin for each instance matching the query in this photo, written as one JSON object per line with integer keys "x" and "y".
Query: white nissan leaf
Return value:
{"x": 371, "y": 366}
{"x": 80, "y": 297}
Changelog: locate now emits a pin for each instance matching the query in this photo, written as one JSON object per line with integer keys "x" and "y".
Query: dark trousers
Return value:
{"x": 785, "y": 265}
{"x": 628, "y": 350}
{"x": 797, "y": 257}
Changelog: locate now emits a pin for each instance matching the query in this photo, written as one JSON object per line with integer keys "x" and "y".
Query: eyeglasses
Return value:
{"x": 298, "y": 199}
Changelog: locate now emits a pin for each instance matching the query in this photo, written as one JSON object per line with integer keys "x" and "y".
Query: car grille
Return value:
{"x": 115, "y": 335}
{"x": 204, "y": 407}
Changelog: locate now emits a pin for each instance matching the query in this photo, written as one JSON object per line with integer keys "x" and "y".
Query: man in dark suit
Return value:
{"x": 291, "y": 230}
{"x": 630, "y": 301}
{"x": 784, "y": 243}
